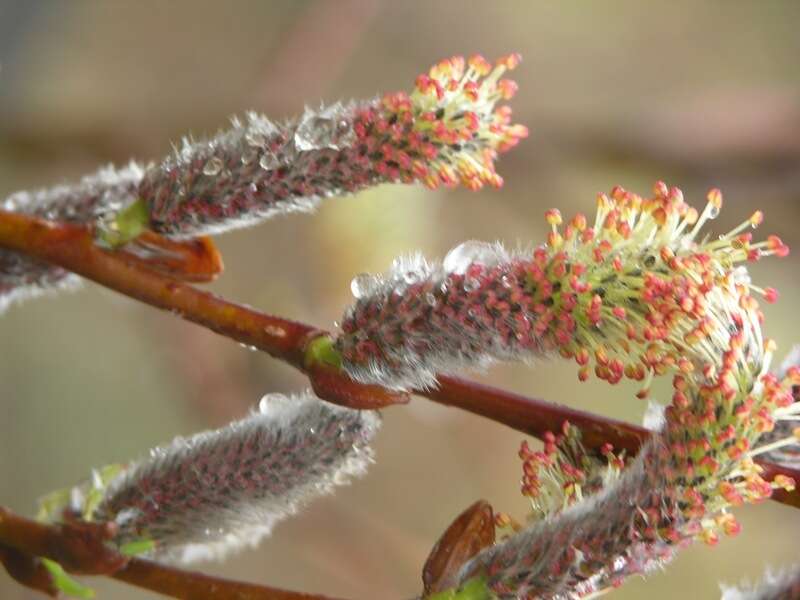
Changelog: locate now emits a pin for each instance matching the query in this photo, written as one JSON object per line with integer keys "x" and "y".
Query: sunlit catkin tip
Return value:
{"x": 219, "y": 491}
{"x": 632, "y": 292}
{"x": 553, "y": 217}
{"x": 715, "y": 198}
{"x": 448, "y": 130}
{"x": 453, "y": 116}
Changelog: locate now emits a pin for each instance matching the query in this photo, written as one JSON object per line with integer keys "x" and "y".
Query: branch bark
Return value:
{"x": 80, "y": 548}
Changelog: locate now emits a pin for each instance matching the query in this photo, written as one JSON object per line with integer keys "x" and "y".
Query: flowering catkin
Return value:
{"x": 217, "y": 491}
{"x": 621, "y": 278}
{"x": 784, "y": 585}
{"x": 95, "y": 197}
{"x": 782, "y": 444}
{"x": 448, "y": 130}
{"x": 635, "y": 295}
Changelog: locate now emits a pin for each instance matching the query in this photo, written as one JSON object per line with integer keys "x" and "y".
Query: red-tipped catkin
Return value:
{"x": 623, "y": 280}
{"x": 218, "y": 491}
{"x": 95, "y": 197}
{"x": 447, "y": 131}
{"x": 638, "y": 294}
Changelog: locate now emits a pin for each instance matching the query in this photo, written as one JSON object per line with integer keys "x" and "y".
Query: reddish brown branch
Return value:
{"x": 81, "y": 549}
{"x": 27, "y": 570}
{"x": 533, "y": 416}
{"x": 191, "y": 584}
{"x": 72, "y": 247}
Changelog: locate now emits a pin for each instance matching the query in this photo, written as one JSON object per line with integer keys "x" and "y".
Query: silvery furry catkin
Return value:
{"x": 447, "y": 131}
{"x": 95, "y": 197}
{"x": 218, "y": 491}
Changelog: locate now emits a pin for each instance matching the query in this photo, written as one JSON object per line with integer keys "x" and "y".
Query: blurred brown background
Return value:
{"x": 699, "y": 94}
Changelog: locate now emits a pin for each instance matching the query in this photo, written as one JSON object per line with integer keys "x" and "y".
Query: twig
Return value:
{"x": 72, "y": 247}
{"x": 191, "y": 584}
{"x": 27, "y": 570}
{"x": 81, "y": 549}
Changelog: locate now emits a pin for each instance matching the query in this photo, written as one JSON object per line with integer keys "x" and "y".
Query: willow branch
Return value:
{"x": 81, "y": 549}
{"x": 72, "y": 247}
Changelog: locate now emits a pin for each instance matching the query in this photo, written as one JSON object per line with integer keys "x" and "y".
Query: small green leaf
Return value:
{"x": 474, "y": 589}
{"x": 321, "y": 350}
{"x": 126, "y": 226}
{"x": 137, "y": 547}
{"x": 65, "y": 583}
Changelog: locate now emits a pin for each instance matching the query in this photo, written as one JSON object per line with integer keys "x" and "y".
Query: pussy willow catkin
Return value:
{"x": 634, "y": 294}
{"x": 638, "y": 273}
{"x": 218, "y": 491}
{"x": 447, "y": 131}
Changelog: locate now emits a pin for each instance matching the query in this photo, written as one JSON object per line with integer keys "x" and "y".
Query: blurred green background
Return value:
{"x": 698, "y": 94}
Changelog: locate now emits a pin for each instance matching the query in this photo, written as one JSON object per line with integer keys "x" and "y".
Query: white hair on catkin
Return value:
{"x": 775, "y": 585}
{"x": 218, "y": 491}
{"x": 94, "y": 197}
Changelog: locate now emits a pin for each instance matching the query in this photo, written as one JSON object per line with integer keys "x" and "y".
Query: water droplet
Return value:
{"x": 268, "y": 401}
{"x": 508, "y": 281}
{"x": 430, "y": 298}
{"x": 471, "y": 284}
{"x": 323, "y": 129}
{"x": 364, "y": 285}
{"x": 411, "y": 277}
{"x": 461, "y": 257}
{"x": 268, "y": 161}
{"x": 713, "y": 212}
{"x": 213, "y": 166}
